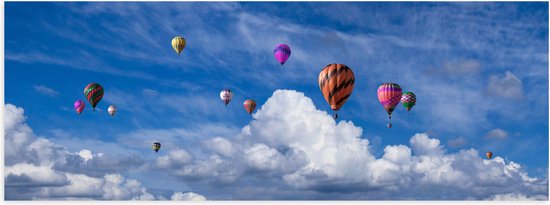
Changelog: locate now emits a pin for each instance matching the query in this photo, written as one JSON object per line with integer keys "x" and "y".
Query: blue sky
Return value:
{"x": 479, "y": 71}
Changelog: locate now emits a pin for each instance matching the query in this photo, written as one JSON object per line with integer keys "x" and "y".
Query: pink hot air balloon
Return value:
{"x": 282, "y": 53}
{"x": 79, "y": 106}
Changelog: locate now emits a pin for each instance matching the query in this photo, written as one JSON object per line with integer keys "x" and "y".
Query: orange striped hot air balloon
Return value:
{"x": 336, "y": 82}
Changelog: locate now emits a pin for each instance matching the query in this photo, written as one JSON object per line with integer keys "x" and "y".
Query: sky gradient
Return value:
{"x": 479, "y": 72}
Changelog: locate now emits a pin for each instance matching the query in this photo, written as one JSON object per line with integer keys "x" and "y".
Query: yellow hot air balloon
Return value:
{"x": 178, "y": 43}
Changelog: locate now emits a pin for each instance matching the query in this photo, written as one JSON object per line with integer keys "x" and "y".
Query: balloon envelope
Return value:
{"x": 178, "y": 43}
{"x": 226, "y": 95}
{"x": 408, "y": 99}
{"x": 489, "y": 155}
{"x": 79, "y": 106}
{"x": 156, "y": 146}
{"x": 94, "y": 93}
{"x": 111, "y": 110}
{"x": 336, "y": 82}
{"x": 249, "y": 105}
{"x": 282, "y": 53}
{"x": 389, "y": 95}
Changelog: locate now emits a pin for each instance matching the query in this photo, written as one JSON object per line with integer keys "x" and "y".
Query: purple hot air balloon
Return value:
{"x": 282, "y": 52}
{"x": 79, "y": 106}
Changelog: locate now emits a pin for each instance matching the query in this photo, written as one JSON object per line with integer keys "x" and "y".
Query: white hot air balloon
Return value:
{"x": 226, "y": 96}
{"x": 112, "y": 110}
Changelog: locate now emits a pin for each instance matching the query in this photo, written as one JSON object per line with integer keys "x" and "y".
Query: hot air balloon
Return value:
{"x": 489, "y": 155}
{"x": 226, "y": 96}
{"x": 389, "y": 95}
{"x": 282, "y": 53}
{"x": 79, "y": 106}
{"x": 249, "y": 106}
{"x": 408, "y": 99}
{"x": 178, "y": 43}
{"x": 156, "y": 147}
{"x": 94, "y": 93}
{"x": 112, "y": 110}
{"x": 336, "y": 82}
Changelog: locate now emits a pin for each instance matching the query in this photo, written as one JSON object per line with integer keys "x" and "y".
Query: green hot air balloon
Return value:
{"x": 408, "y": 99}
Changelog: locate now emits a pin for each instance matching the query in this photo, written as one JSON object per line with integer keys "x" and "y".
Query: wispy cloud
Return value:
{"x": 42, "y": 89}
{"x": 507, "y": 86}
{"x": 497, "y": 134}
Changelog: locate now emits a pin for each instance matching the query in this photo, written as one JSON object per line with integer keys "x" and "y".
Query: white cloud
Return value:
{"x": 86, "y": 154}
{"x": 42, "y": 89}
{"x": 497, "y": 134}
{"x": 463, "y": 67}
{"x": 188, "y": 196}
{"x": 291, "y": 140}
{"x": 423, "y": 145}
{"x": 507, "y": 85}
{"x": 39, "y": 169}
{"x": 221, "y": 146}
{"x": 150, "y": 92}
{"x": 516, "y": 197}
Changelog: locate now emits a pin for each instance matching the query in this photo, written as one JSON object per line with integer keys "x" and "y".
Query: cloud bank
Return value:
{"x": 36, "y": 168}
{"x": 291, "y": 144}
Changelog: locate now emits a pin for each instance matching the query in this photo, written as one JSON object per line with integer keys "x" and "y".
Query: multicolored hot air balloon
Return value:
{"x": 408, "y": 99}
{"x": 282, "y": 53}
{"x": 336, "y": 82}
{"x": 156, "y": 147}
{"x": 389, "y": 95}
{"x": 178, "y": 43}
{"x": 112, "y": 110}
{"x": 226, "y": 95}
{"x": 489, "y": 155}
{"x": 249, "y": 106}
{"x": 94, "y": 93}
{"x": 79, "y": 106}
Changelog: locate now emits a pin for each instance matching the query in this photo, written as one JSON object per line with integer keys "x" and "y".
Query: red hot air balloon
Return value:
{"x": 249, "y": 106}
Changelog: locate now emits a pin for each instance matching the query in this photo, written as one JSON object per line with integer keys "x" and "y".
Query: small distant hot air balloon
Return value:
{"x": 156, "y": 147}
{"x": 489, "y": 155}
{"x": 79, "y": 106}
{"x": 282, "y": 53}
{"x": 226, "y": 95}
{"x": 408, "y": 99}
{"x": 336, "y": 82}
{"x": 178, "y": 43}
{"x": 112, "y": 110}
{"x": 249, "y": 106}
{"x": 389, "y": 95}
{"x": 94, "y": 93}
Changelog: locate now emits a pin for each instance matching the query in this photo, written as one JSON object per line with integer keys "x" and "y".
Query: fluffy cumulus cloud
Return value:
{"x": 290, "y": 145}
{"x": 36, "y": 168}
{"x": 189, "y": 196}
